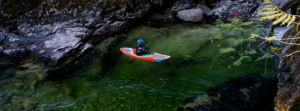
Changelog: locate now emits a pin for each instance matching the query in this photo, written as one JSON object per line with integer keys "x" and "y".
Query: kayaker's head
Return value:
{"x": 140, "y": 42}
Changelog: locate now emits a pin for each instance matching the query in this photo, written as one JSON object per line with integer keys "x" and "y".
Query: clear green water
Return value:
{"x": 121, "y": 83}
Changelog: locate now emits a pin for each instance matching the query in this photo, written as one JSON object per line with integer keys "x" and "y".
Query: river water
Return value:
{"x": 114, "y": 81}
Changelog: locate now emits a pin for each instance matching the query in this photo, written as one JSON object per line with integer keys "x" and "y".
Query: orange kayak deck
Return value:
{"x": 156, "y": 57}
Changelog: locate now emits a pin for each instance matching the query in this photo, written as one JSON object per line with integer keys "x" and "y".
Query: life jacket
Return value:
{"x": 141, "y": 49}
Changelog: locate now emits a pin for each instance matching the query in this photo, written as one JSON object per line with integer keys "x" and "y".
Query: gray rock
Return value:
{"x": 204, "y": 8}
{"x": 193, "y": 15}
{"x": 288, "y": 75}
{"x": 180, "y": 5}
{"x": 14, "y": 51}
{"x": 63, "y": 41}
{"x": 85, "y": 47}
{"x": 227, "y": 9}
{"x": 3, "y": 33}
{"x": 1, "y": 48}
{"x": 281, "y": 3}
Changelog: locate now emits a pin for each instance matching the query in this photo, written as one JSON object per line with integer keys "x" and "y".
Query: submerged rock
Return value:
{"x": 245, "y": 93}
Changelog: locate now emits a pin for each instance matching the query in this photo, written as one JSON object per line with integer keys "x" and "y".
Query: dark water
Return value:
{"x": 118, "y": 82}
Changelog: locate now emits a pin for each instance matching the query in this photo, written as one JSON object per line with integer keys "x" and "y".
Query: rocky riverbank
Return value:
{"x": 57, "y": 30}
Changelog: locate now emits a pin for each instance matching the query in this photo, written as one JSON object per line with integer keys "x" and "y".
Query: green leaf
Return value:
{"x": 239, "y": 61}
{"x": 227, "y": 50}
{"x": 266, "y": 55}
{"x": 250, "y": 52}
{"x": 247, "y": 23}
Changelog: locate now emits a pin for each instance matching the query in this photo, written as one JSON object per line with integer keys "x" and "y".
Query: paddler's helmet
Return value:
{"x": 140, "y": 42}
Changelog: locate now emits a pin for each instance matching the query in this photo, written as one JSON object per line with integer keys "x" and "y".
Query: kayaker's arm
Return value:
{"x": 146, "y": 47}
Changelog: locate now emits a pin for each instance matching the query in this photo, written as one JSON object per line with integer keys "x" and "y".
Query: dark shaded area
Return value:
{"x": 296, "y": 105}
{"x": 65, "y": 71}
{"x": 246, "y": 93}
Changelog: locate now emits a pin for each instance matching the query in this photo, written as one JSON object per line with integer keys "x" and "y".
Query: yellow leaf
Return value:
{"x": 253, "y": 36}
{"x": 273, "y": 16}
{"x": 292, "y": 20}
{"x": 286, "y": 20}
{"x": 280, "y": 19}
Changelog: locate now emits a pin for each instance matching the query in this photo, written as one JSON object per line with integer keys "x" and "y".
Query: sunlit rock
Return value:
{"x": 192, "y": 15}
{"x": 227, "y": 8}
{"x": 201, "y": 100}
{"x": 180, "y": 5}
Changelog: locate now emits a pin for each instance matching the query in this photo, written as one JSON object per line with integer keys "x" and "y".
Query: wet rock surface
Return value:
{"x": 246, "y": 93}
{"x": 55, "y": 29}
{"x": 204, "y": 8}
{"x": 227, "y": 8}
{"x": 288, "y": 76}
{"x": 180, "y": 5}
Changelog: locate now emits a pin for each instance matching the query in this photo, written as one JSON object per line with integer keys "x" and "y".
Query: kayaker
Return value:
{"x": 141, "y": 48}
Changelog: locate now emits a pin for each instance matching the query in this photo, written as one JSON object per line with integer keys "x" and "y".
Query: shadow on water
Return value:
{"x": 246, "y": 93}
{"x": 88, "y": 58}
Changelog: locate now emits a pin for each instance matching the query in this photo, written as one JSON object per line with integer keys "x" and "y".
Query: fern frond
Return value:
{"x": 270, "y": 12}
{"x": 253, "y": 36}
{"x": 275, "y": 48}
{"x": 262, "y": 18}
{"x": 227, "y": 50}
{"x": 251, "y": 40}
{"x": 239, "y": 61}
{"x": 250, "y": 52}
{"x": 292, "y": 20}
{"x": 238, "y": 41}
{"x": 270, "y": 16}
{"x": 239, "y": 29}
{"x": 286, "y": 20}
{"x": 231, "y": 40}
{"x": 274, "y": 16}
{"x": 247, "y": 23}
{"x": 280, "y": 19}
{"x": 266, "y": 55}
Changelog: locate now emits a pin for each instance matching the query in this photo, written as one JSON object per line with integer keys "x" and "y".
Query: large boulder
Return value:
{"x": 57, "y": 29}
{"x": 180, "y": 5}
{"x": 192, "y": 15}
{"x": 227, "y": 8}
